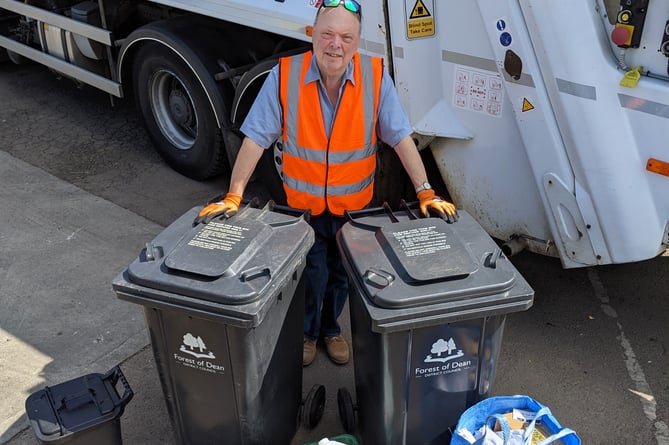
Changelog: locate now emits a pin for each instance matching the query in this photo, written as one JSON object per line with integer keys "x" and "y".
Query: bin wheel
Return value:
{"x": 346, "y": 410}
{"x": 314, "y": 404}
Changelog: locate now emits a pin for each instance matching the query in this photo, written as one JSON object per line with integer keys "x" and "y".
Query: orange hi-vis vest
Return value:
{"x": 335, "y": 174}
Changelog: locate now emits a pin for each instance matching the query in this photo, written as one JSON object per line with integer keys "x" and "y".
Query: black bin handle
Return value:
{"x": 111, "y": 379}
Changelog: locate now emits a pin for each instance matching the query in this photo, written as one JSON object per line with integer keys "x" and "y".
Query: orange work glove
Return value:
{"x": 228, "y": 207}
{"x": 430, "y": 201}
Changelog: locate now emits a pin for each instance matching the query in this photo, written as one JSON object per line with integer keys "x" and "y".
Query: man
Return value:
{"x": 329, "y": 106}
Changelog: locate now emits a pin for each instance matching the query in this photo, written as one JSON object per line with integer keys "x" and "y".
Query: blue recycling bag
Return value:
{"x": 490, "y": 410}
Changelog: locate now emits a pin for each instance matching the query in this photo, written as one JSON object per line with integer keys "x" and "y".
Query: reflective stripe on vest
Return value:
{"x": 335, "y": 174}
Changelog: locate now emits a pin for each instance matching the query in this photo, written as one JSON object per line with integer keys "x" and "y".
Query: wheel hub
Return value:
{"x": 180, "y": 108}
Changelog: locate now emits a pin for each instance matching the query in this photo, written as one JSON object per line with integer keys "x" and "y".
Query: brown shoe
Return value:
{"x": 308, "y": 352}
{"x": 337, "y": 349}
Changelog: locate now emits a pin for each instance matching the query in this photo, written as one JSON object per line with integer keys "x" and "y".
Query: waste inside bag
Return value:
{"x": 511, "y": 420}
{"x": 487, "y": 436}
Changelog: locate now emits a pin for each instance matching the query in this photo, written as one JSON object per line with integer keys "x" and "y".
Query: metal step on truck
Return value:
{"x": 547, "y": 121}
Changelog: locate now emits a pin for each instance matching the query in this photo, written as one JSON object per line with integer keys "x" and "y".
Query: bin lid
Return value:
{"x": 73, "y": 406}
{"x": 233, "y": 262}
{"x": 398, "y": 260}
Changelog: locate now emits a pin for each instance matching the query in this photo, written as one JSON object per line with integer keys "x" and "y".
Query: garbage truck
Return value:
{"x": 548, "y": 122}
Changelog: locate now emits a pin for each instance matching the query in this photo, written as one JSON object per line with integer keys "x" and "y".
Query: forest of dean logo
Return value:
{"x": 442, "y": 351}
{"x": 195, "y": 346}
{"x": 444, "y": 358}
{"x": 197, "y": 356}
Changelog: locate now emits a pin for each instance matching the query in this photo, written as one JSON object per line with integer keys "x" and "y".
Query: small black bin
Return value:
{"x": 86, "y": 410}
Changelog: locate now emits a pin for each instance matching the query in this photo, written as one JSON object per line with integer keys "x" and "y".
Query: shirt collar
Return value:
{"x": 313, "y": 74}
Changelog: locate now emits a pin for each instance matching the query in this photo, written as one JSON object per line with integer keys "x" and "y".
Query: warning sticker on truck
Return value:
{"x": 419, "y": 18}
{"x": 479, "y": 91}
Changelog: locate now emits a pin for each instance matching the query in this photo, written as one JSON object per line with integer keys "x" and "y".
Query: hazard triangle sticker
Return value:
{"x": 419, "y": 11}
{"x": 527, "y": 106}
{"x": 419, "y": 19}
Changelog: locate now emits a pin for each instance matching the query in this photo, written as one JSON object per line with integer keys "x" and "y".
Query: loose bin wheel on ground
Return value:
{"x": 346, "y": 410}
{"x": 313, "y": 406}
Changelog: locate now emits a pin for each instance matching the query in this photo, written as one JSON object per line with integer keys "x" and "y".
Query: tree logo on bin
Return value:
{"x": 441, "y": 347}
{"x": 191, "y": 345}
{"x": 446, "y": 359}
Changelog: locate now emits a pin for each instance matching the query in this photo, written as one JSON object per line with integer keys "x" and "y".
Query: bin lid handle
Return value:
{"x": 73, "y": 401}
{"x": 378, "y": 278}
{"x": 110, "y": 379}
{"x": 254, "y": 273}
{"x": 491, "y": 258}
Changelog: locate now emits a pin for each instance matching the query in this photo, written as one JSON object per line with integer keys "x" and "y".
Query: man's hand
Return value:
{"x": 430, "y": 201}
{"x": 228, "y": 207}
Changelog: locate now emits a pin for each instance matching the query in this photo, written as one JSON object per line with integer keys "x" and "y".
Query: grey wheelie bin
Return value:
{"x": 428, "y": 305}
{"x": 224, "y": 306}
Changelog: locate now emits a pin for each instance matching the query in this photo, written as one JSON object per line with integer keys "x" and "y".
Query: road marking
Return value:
{"x": 642, "y": 388}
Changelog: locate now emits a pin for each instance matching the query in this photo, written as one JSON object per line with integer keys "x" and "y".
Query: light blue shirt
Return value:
{"x": 263, "y": 124}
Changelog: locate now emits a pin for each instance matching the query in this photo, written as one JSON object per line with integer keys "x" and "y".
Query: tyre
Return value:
{"x": 177, "y": 114}
{"x": 269, "y": 173}
{"x": 16, "y": 58}
{"x": 269, "y": 169}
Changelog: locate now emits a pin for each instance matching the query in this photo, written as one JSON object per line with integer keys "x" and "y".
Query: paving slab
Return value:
{"x": 60, "y": 248}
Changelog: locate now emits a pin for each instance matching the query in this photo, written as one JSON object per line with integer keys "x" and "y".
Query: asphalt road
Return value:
{"x": 593, "y": 347}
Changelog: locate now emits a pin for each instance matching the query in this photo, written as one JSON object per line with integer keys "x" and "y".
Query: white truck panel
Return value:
{"x": 560, "y": 159}
{"x": 490, "y": 176}
{"x": 507, "y": 31}
{"x": 283, "y": 18}
{"x": 608, "y": 140}
{"x": 420, "y": 73}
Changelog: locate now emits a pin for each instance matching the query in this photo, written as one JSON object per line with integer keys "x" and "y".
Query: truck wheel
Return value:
{"x": 16, "y": 58}
{"x": 177, "y": 114}
{"x": 270, "y": 172}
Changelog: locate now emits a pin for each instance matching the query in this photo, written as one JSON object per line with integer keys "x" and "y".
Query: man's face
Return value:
{"x": 336, "y": 36}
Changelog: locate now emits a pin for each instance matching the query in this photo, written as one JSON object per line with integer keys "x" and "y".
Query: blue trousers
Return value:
{"x": 326, "y": 282}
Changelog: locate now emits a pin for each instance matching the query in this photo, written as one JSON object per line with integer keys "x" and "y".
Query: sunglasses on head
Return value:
{"x": 350, "y": 5}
